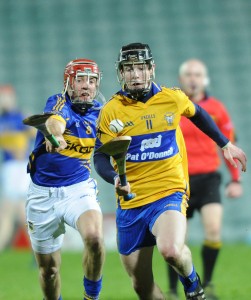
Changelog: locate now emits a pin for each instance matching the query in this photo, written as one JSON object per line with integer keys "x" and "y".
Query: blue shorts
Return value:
{"x": 134, "y": 225}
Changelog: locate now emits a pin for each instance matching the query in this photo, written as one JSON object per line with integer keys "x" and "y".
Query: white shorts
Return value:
{"x": 14, "y": 180}
{"x": 48, "y": 209}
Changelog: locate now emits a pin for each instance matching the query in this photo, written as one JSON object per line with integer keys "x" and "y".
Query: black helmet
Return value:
{"x": 133, "y": 54}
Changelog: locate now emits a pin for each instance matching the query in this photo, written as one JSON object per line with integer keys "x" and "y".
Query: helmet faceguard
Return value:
{"x": 75, "y": 69}
{"x": 130, "y": 56}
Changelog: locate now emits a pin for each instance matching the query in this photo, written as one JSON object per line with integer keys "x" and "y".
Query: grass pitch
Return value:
{"x": 19, "y": 276}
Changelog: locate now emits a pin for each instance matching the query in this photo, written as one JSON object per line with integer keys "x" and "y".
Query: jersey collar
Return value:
{"x": 155, "y": 88}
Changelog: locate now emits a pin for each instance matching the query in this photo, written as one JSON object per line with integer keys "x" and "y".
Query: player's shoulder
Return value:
{"x": 15, "y": 114}
{"x": 215, "y": 102}
{"x": 212, "y": 98}
{"x": 174, "y": 92}
{"x": 175, "y": 88}
{"x": 114, "y": 101}
{"x": 57, "y": 98}
{"x": 57, "y": 104}
{"x": 172, "y": 88}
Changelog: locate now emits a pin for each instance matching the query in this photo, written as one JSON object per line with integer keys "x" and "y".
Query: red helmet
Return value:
{"x": 80, "y": 67}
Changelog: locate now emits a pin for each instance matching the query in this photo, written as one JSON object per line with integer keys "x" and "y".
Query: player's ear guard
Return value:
{"x": 206, "y": 81}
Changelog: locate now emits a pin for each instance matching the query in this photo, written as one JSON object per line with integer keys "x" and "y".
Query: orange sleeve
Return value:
{"x": 225, "y": 123}
{"x": 226, "y": 126}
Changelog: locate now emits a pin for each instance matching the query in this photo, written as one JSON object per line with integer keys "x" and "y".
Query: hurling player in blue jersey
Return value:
{"x": 61, "y": 190}
{"x": 15, "y": 142}
{"x": 156, "y": 170}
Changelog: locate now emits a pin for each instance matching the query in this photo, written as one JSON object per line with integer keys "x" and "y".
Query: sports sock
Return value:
{"x": 173, "y": 279}
{"x": 209, "y": 253}
{"x": 92, "y": 288}
{"x": 60, "y": 298}
{"x": 190, "y": 282}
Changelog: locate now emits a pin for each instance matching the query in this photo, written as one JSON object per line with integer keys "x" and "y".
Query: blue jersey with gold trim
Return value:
{"x": 156, "y": 161}
{"x": 71, "y": 165}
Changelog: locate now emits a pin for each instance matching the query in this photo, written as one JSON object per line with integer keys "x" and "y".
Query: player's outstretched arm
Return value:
{"x": 231, "y": 151}
{"x": 56, "y": 128}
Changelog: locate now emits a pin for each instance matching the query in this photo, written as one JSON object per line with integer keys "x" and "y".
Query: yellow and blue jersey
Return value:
{"x": 71, "y": 165}
{"x": 156, "y": 162}
{"x": 14, "y": 136}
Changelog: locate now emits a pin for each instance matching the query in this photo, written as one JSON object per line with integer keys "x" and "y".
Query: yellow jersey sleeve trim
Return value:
{"x": 104, "y": 133}
{"x": 185, "y": 106}
{"x": 60, "y": 103}
{"x": 59, "y": 118}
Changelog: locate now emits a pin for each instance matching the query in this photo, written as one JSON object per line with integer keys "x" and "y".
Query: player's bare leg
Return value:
{"x": 139, "y": 267}
{"x": 170, "y": 231}
{"x": 11, "y": 212}
{"x": 91, "y": 230}
{"x": 7, "y": 221}
{"x": 49, "y": 266}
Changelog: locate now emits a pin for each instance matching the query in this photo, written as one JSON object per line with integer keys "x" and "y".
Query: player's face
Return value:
{"x": 84, "y": 88}
{"x": 7, "y": 100}
{"x": 193, "y": 77}
{"x": 136, "y": 76}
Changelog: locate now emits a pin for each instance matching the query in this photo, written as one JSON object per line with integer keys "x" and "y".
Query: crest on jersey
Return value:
{"x": 169, "y": 117}
{"x": 88, "y": 127}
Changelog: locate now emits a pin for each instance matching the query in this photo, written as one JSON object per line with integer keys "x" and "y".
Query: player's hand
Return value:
{"x": 121, "y": 190}
{"x": 62, "y": 145}
{"x": 234, "y": 189}
{"x": 231, "y": 151}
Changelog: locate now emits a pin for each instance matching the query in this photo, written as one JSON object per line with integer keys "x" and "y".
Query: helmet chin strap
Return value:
{"x": 138, "y": 94}
{"x": 81, "y": 108}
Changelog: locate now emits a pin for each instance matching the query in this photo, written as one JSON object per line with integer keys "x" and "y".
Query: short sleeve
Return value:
{"x": 57, "y": 105}
{"x": 185, "y": 105}
{"x": 104, "y": 134}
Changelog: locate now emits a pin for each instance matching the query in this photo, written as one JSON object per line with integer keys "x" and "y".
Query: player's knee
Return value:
{"x": 49, "y": 274}
{"x": 94, "y": 243}
{"x": 170, "y": 253}
{"x": 213, "y": 234}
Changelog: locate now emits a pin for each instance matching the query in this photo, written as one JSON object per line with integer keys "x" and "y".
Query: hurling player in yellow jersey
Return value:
{"x": 156, "y": 171}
